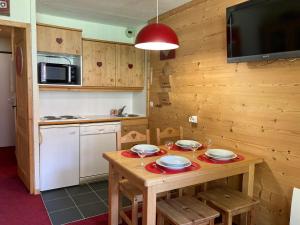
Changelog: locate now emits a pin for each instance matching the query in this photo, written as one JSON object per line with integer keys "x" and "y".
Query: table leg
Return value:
{"x": 247, "y": 189}
{"x": 113, "y": 196}
{"x": 149, "y": 206}
{"x": 248, "y": 181}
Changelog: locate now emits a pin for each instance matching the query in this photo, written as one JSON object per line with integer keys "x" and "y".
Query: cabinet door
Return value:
{"x": 130, "y": 71}
{"x": 92, "y": 147}
{"x": 99, "y": 64}
{"x": 59, "y": 157}
{"x": 58, "y": 40}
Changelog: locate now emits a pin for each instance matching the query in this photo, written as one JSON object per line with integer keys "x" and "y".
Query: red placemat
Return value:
{"x": 154, "y": 168}
{"x": 204, "y": 158}
{"x": 177, "y": 148}
{"x": 130, "y": 154}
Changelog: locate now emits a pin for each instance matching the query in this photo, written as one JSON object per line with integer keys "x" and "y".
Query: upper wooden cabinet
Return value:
{"x": 112, "y": 65}
{"x": 99, "y": 64}
{"x": 130, "y": 66}
{"x": 58, "y": 40}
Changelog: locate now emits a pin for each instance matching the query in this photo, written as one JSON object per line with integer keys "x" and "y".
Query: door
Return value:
{"x": 99, "y": 64}
{"x": 7, "y": 119}
{"x": 24, "y": 121}
{"x": 59, "y": 156}
{"x": 130, "y": 67}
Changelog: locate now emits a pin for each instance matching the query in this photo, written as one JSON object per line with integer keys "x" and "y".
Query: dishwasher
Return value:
{"x": 95, "y": 139}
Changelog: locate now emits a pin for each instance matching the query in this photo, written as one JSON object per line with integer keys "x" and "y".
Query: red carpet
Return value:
{"x": 17, "y": 206}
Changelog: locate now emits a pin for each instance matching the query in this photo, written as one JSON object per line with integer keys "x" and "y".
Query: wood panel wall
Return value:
{"x": 253, "y": 107}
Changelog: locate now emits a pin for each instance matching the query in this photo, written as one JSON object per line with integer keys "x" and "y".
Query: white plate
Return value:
{"x": 174, "y": 160}
{"x": 220, "y": 154}
{"x": 186, "y": 144}
{"x": 148, "y": 149}
{"x": 173, "y": 166}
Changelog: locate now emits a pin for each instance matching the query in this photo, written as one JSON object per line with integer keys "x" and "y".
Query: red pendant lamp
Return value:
{"x": 157, "y": 36}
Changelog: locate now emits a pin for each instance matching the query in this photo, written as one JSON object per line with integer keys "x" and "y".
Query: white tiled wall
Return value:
{"x": 80, "y": 103}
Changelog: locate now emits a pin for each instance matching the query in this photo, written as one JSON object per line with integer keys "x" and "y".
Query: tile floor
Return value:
{"x": 70, "y": 204}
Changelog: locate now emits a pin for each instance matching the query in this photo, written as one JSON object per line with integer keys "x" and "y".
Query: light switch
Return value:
{"x": 151, "y": 104}
{"x": 193, "y": 119}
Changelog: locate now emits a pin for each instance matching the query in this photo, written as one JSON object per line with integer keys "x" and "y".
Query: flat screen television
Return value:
{"x": 263, "y": 30}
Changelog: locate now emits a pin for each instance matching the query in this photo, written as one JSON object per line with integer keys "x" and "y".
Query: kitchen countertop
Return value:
{"x": 89, "y": 119}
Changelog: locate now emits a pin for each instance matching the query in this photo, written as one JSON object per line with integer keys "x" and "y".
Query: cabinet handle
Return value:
{"x": 130, "y": 66}
{"x": 119, "y": 80}
{"x": 99, "y": 64}
{"x": 112, "y": 80}
{"x": 72, "y": 133}
{"x": 59, "y": 40}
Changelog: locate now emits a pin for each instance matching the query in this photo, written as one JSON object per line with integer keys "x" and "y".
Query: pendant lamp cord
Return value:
{"x": 156, "y": 11}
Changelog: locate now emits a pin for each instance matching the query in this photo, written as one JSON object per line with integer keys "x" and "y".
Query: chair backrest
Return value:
{"x": 295, "y": 209}
{"x": 132, "y": 137}
{"x": 168, "y": 132}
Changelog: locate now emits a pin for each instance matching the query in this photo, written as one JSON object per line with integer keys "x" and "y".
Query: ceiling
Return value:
{"x": 114, "y": 12}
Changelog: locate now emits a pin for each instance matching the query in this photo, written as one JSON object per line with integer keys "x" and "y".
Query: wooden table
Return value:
{"x": 151, "y": 184}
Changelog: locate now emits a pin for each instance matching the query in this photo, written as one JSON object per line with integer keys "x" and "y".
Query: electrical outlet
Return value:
{"x": 193, "y": 119}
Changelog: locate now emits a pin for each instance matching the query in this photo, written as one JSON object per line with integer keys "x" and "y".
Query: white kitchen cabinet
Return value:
{"x": 95, "y": 139}
{"x": 59, "y": 156}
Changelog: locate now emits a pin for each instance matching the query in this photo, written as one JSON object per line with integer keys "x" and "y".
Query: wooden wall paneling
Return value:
{"x": 252, "y": 107}
{"x": 99, "y": 64}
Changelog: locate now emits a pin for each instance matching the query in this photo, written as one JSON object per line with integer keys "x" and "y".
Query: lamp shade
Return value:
{"x": 157, "y": 36}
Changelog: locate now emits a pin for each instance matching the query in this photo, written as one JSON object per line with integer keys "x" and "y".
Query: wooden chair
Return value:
{"x": 128, "y": 190}
{"x": 132, "y": 137}
{"x": 230, "y": 203}
{"x": 168, "y": 132}
{"x": 185, "y": 211}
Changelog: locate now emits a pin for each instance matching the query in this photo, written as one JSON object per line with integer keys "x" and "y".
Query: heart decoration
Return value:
{"x": 133, "y": 136}
{"x": 59, "y": 40}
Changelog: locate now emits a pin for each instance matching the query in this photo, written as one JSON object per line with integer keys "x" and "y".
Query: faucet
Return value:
{"x": 121, "y": 110}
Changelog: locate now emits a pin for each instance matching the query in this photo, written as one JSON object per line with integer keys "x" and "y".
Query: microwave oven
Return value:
{"x": 63, "y": 74}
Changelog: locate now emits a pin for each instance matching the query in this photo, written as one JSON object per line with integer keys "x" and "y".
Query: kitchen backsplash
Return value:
{"x": 80, "y": 103}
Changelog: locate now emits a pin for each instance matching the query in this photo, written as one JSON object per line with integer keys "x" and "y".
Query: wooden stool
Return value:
{"x": 185, "y": 211}
{"x": 230, "y": 203}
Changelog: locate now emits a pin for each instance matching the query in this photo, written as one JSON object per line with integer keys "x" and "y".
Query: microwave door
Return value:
{"x": 57, "y": 74}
